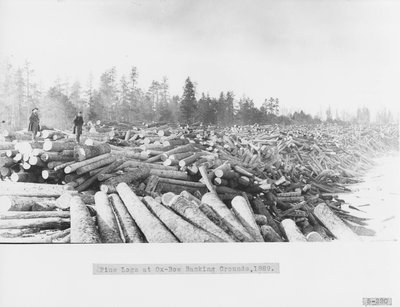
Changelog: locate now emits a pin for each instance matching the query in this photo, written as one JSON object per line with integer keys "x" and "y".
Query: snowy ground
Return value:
{"x": 379, "y": 196}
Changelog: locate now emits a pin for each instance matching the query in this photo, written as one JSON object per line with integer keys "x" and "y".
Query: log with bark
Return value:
{"x": 31, "y": 189}
{"x": 130, "y": 230}
{"x": 292, "y": 232}
{"x": 139, "y": 174}
{"x": 39, "y": 223}
{"x": 183, "y": 230}
{"x": 83, "y": 227}
{"x": 58, "y": 145}
{"x": 245, "y": 215}
{"x": 269, "y": 234}
{"x": 73, "y": 167}
{"x": 229, "y": 218}
{"x": 88, "y": 182}
{"x": 55, "y": 156}
{"x": 95, "y": 165}
{"x": 152, "y": 228}
{"x": 10, "y": 215}
{"x": 24, "y": 203}
{"x": 84, "y": 152}
{"x": 334, "y": 224}
{"x": 192, "y": 213}
{"x": 106, "y": 220}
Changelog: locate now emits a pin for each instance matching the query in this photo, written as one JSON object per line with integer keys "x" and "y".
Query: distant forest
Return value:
{"x": 120, "y": 99}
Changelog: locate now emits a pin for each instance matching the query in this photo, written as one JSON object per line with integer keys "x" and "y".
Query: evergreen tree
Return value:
{"x": 229, "y": 113}
{"x": 165, "y": 112}
{"x": 174, "y": 107}
{"x": 75, "y": 96}
{"x": 106, "y": 107}
{"x": 188, "y": 104}
{"x": 221, "y": 109}
{"x": 123, "y": 100}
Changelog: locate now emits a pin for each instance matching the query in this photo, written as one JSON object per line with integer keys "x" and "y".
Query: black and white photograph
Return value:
{"x": 270, "y": 125}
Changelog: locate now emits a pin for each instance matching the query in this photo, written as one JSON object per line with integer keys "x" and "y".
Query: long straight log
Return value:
{"x": 134, "y": 164}
{"x": 10, "y": 215}
{"x": 84, "y": 152}
{"x": 180, "y": 149}
{"x": 234, "y": 225}
{"x": 53, "y": 164}
{"x": 26, "y": 240}
{"x": 130, "y": 229}
{"x": 245, "y": 216}
{"x": 334, "y": 224}
{"x": 95, "y": 165}
{"x": 55, "y": 156}
{"x": 87, "y": 183}
{"x": 83, "y": 228}
{"x": 191, "y": 159}
{"x": 73, "y": 167}
{"x": 96, "y": 171}
{"x": 39, "y": 223}
{"x": 31, "y": 189}
{"x": 185, "y": 183}
{"x": 128, "y": 154}
{"x": 192, "y": 213}
{"x": 180, "y": 156}
{"x": 104, "y": 177}
{"x": 21, "y": 203}
{"x": 109, "y": 186}
{"x": 61, "y": 165}
{"x": 106, "y": 220}
{"x": 57, "y": 146}
{"x": 183, "y": 230}
{"x": 151, "y": 227}
{"x": 170, "y": 174}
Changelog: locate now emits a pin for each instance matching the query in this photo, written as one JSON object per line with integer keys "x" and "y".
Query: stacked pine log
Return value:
{"x": 36, "y": 213}
{"x": 254, "y": 183}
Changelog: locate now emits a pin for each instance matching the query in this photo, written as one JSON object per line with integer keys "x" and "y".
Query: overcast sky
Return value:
{"x": 310, "y": 54}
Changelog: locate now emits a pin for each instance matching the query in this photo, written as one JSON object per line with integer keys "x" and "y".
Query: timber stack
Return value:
{"x": 146, "y": 183}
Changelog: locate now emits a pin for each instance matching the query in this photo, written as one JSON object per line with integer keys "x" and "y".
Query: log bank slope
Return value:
{"x": 164, "y": 183}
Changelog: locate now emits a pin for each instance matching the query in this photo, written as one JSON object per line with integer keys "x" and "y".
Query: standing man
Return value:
{"x": 34, "y": 123}
{"x": 78, "y": 123}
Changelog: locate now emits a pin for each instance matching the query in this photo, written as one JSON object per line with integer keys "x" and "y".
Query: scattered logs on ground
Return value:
{"x": 243, "y": 184}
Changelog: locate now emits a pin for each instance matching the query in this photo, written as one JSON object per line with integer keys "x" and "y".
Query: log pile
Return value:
{"x": 242, "y": 184}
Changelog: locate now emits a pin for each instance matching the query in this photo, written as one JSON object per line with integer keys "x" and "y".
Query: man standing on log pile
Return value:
{"x": 78, "y": 123}
{"x": 34, "y": 123}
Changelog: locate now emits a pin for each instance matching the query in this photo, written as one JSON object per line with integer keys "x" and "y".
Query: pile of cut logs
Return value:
{"x": 188, "y": 184}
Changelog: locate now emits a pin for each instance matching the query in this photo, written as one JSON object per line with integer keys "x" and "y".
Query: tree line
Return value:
{"x": 119, "y": 98}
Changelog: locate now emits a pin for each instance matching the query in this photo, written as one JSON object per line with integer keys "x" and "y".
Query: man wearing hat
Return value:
{"x": 34, "y": 123}
{"x": 78, "y": 123}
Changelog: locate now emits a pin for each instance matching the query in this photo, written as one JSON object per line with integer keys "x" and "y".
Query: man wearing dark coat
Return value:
{"x": 78, "y": 123}
{"x": 34, "y": 123}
